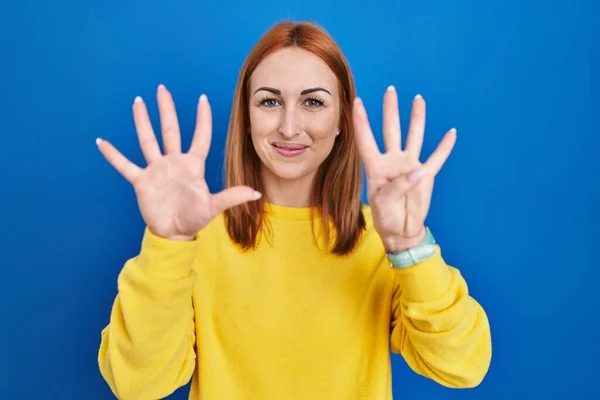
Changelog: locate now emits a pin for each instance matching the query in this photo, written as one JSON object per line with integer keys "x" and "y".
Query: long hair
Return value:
{"x": 337, "y": 185}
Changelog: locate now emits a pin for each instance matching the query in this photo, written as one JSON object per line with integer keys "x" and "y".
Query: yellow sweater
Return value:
{"x": 286, "y": 321}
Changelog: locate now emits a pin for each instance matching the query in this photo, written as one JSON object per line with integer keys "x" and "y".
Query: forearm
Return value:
{"x": 147, "y": 350}
{"x": 442, "y": 332}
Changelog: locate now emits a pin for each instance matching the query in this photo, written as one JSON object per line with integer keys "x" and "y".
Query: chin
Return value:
{"x": 288, "y": 168}
{"x": 288, "y": 171}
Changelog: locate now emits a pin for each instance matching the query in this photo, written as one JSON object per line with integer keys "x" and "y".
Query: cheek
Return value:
{"x": 262, "y": 123}
{"x": 322, "y": 128}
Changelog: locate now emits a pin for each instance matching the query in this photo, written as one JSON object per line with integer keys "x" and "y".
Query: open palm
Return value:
{"x": 172, "y": 194}
{"x": 399, "y": 186}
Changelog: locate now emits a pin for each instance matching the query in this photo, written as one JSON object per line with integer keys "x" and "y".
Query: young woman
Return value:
{"x": 284, "y": 285}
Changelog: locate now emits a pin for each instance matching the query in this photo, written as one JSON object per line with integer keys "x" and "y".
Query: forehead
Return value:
{"x": 293, "y": 69}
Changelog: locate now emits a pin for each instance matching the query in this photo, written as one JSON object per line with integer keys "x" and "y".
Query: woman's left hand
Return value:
{"x": 399, "y": 186}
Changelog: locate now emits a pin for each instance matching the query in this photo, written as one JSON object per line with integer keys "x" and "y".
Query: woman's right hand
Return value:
{"x": 171, "y": 191}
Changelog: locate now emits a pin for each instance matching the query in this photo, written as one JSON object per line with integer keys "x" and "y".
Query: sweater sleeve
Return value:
{"x": 147, "y": 350}
{"x": 439, "y": 329}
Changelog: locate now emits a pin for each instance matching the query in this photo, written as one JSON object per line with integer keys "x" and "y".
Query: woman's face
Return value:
{"x": 294, "y": 113}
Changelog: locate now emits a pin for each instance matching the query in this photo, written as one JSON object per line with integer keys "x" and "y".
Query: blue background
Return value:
{"x": 515, "y": 207}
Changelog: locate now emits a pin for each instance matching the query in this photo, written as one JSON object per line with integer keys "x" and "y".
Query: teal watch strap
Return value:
{"x": 414, "y": 255}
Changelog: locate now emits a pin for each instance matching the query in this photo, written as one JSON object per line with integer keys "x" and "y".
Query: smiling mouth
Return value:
{"x": 289, "y": 150}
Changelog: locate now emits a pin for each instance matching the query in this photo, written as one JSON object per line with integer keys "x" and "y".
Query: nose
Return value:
{"x": 291, "y": 122}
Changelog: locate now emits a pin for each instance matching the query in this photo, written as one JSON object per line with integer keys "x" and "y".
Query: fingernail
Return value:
{"x": 203, "y": 98}
{"x": 391, "y": 88}
{"x": 257, "y": 195}
{"x": 418, "y": 96}
{"x": 137, "y": 99}
{"x": 98, "y": 140}
{"x": 416, "y": 174}
{"x": 161, "y": 86}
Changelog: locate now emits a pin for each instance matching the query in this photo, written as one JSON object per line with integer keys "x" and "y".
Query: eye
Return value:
{"x": 268, "y": 102}
{"x": 314, "y": 102}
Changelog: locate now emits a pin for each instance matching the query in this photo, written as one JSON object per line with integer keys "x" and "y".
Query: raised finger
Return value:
{"x": 435, "y": 162}
{"x": 367, "y": 146}
{"x": 416, "y": 129}
{"x": 145, "y": 133}
{"x": 129, "y": 170}
{"x": 168, "y": 121}
{"x": 203, "y": 133}
{"x": 391, "y": 120}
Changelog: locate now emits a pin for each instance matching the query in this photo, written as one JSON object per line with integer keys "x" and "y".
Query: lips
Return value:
{"x": 289, "y": 149}
{"x": 290, "y": 146}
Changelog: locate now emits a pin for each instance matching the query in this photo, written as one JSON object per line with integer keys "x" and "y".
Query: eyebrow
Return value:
{"x": 302, "y": 93}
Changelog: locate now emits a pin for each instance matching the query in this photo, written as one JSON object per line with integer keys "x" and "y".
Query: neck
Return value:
{"x": 286, "y": 192}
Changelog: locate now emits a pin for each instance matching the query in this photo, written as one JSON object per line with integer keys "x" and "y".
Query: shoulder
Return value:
{"x": 370, "y": 237}
{"x": 369, "y": 253}
{"x": 215, "y": 230}
{"x": 368, "y": 215}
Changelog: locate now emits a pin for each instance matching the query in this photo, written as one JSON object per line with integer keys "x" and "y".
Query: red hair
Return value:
{"x": 337, "y": 185}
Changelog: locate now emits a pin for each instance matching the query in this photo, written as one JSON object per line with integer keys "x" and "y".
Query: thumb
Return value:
{"x": 232, "y": 197}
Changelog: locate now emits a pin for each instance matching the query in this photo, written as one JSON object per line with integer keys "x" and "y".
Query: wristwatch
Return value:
{"x": 416, "y": 254}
